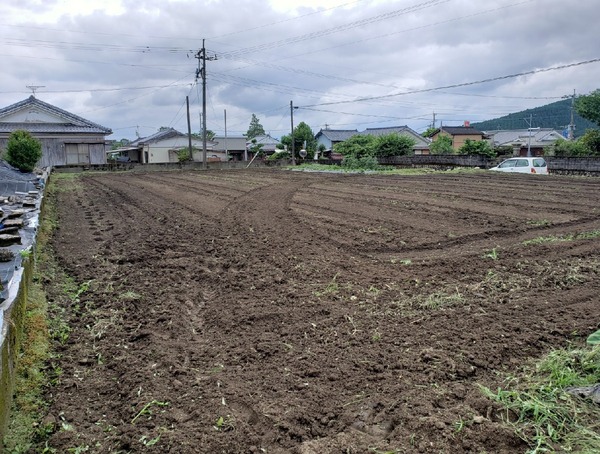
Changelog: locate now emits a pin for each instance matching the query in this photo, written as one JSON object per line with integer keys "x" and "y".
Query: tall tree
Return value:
{"x": 302, "y": 133}
{"x": 255, "y": 129}
{"x": 588, "y": 106}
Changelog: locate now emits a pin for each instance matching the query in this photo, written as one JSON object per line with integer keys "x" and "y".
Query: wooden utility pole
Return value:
{"x": 201, "y": 71}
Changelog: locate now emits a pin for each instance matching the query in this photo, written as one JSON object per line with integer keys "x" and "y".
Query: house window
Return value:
{"x": 78, "y": 153}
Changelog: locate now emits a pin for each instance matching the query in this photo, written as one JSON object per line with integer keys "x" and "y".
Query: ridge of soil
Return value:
{"x": 286, "y": 312}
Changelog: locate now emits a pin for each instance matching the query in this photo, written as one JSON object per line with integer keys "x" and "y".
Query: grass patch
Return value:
{"x": 559, "y": 238}
{"x": 440, "y": 300}
{"x": 493, "y": 254}
{"x": 44, "y": 323}
{"x": 539, "y": 223}
{"x": 542, "y": 413}
{"x": 28, "y": 405}
{"x": 344, "y": 169}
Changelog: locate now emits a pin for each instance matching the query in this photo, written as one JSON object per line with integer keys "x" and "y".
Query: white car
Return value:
{"x": 523, "y": 165}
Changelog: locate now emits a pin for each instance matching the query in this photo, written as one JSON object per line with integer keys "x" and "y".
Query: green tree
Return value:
{"x": 590, "y": 141}
{"x": 588, "y": 106}
{"x": 255, "y": 129}
{"x": 477, "y": 147}
{"x": 23, "y": 151}
{"x": 256, "y": 148}
{"x": 393, "y": 145}
{"x": 120, "y": 143}
{"x": 441, "y": 145}
{"x": 302, "y": 133}
{"x": 357, "y": 146}
{"x": 429, "y": 132}
{"x": 564, "y": 147}
{"x": 210, "y": 135}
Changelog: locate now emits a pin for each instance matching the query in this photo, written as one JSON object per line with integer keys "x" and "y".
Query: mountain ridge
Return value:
{"x": 556, "y": 115}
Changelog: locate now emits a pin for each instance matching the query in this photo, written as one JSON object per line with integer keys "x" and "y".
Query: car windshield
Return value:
{"x": 509, "y": 163}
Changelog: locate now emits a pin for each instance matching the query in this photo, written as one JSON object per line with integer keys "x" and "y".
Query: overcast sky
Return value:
{"x": 129, "y": 65}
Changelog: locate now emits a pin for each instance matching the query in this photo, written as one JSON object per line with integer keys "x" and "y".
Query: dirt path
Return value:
{"x": 279, "y": 312}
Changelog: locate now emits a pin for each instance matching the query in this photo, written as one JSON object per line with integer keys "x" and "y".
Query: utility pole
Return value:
{"x": 201, "y": 71}
{"x": 433, "y": 124}
{"x": 530, "y": 122}
{"x": 226, "y": 151}
{"x": 187, "y": 103}
{"x": 292, "y": 124}
{"x": 572, "y": 124}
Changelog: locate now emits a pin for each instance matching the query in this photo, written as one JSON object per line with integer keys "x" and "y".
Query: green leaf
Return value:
{"x": 594, "y": 338}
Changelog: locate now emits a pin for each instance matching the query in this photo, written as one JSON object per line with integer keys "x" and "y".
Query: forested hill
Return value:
{"x": 556, "y": 115}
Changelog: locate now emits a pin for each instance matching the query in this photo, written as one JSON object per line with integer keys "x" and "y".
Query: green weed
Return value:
{"x": 559, "y": 238}
{"x": 440, "y": 300}
{"x": 544, "y": 415}
{"x": 130, "y": 296}
{"x": 493, "y": 254}
{"x": 147, "y": 410}
{"x": 539, "y": 223}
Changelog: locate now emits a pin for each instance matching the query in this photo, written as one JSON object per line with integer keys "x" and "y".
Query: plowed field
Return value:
{"x": 285, "y": 312}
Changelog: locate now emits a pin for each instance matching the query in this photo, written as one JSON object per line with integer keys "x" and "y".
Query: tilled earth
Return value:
{"x": 286, "y": 312}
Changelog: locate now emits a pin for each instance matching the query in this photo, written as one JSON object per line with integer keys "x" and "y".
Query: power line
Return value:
{"x": 465, "y": 84}
{"x": 326, "y": 32}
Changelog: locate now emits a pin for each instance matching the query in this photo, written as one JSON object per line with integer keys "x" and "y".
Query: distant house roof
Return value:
{"x": 157, "y": 136}
{"x": 337, "y": 135}
{"x": 57, "y": 120}
{"x": 386, "y": 131}
{"x": 269, "y": 143}
{"x": 460, "y": 131}
{"x": 539, "y": 137}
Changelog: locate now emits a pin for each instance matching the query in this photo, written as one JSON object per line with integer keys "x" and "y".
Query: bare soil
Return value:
{"x": 286, "y": 312}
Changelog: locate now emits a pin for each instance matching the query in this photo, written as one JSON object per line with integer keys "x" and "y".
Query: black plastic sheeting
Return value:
{"x": 12, "y": 180}
{"x": 16, "y": 187}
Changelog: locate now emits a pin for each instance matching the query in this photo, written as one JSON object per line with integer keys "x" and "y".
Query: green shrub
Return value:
{"x": 363, "y": 163}
{"x": 23, "y": 151}
{"x": 279, "y": 155}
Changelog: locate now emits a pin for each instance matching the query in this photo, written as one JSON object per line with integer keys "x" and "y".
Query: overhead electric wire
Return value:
{"x": 465, "y": 84}
{"x": 329, "y": 31}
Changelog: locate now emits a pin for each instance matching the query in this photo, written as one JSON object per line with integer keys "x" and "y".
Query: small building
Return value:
{"x": 523, "y": 140}
{"x": 329, "y": 137}
{"x": 233, "y": 147}
{"x": 458, "y": 134}
{"x": 165, "y": 146}
{"x": 65, "y": 137}
{"x": 269, "y": 145}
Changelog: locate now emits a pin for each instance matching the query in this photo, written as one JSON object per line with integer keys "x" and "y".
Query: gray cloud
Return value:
{"x": 132, "y": 71}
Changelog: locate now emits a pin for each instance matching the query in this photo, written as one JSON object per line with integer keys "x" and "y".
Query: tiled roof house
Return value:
{"x": 66, "y": 138}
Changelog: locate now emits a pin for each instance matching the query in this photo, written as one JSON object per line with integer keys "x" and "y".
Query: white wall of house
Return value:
{"x": 32, "y": 115}
{"x": 158, "y": 151}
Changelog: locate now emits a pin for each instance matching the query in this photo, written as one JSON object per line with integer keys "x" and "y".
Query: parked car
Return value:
{"x": 523, "y": 165}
